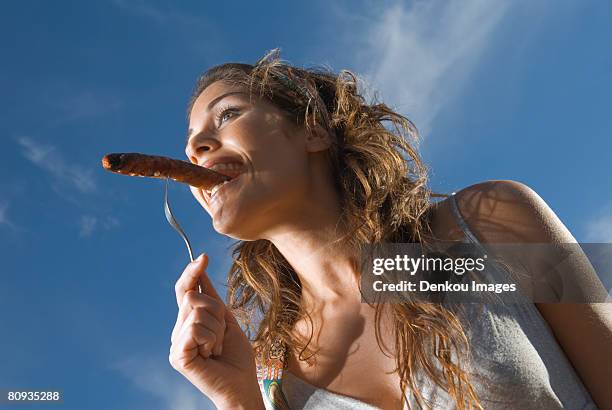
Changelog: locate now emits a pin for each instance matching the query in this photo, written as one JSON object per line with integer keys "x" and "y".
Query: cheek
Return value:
{"x": 279, "y": 188}
{"x": 282, "y": 169}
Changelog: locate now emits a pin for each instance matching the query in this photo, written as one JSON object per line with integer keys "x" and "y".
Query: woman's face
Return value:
{"x": 270, "y": 155}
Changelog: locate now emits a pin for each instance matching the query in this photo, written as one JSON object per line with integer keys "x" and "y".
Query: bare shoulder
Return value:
{"x": 499, "y": 211}
{"x": 509, "y": 211}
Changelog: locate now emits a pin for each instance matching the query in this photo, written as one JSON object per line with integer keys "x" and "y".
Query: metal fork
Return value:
{"x": 173, "y": 222}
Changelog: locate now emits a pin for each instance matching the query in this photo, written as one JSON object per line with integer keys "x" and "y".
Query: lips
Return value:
{"x": 223, "y": 160}
{"x": 230, "y": 166}
{"x": 210, "y": 196}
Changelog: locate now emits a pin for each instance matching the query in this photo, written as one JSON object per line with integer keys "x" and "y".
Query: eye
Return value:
{"x": 225, "y": 113}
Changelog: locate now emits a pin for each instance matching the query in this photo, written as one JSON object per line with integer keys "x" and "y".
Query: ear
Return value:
{"x": 318, "y": 139}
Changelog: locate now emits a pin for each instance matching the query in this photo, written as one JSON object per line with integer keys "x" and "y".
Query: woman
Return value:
{"x": 316, "y": 177}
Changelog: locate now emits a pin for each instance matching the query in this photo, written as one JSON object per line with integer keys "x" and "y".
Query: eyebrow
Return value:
{"x": 212, "y": 104}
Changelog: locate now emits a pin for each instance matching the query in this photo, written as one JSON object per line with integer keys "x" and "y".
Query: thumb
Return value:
{"x": 203, "y": 279}
{"x": 209, "y": 289}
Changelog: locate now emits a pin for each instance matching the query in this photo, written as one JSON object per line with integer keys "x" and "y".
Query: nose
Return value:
{"x": 199, "y": 147}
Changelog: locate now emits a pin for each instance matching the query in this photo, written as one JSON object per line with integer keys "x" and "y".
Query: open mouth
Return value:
{"x": 232, "y": 170}
{"x": 212, "y": 194}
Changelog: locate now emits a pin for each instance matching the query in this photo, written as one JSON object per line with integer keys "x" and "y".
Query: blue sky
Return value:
{"x": 500, "y": 90}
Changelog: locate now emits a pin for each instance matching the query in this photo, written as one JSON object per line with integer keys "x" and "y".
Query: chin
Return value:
{"x": 231, "y": 226}
{"x": 235, "y": 234}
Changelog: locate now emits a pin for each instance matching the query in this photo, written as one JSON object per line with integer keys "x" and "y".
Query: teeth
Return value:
{"x": 226, "y": 166}
{"x": 216, "y": 188}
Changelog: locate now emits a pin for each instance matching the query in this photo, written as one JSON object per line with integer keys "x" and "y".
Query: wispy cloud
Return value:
{"x": 159, "y": 379}
{"x": 419, "y": 55}
{"x": 89, "y": 223}
{"x": 3, "y": 209}
{"x": 49, "y": 159}
{"x": 69, "y": 101}
{"x": 4, "y": 219}
{"x": 155, "y": 13}
{"x": 185, "y": 25}
{"x": 85, "y": 105}
{"x": 599, "y": 228}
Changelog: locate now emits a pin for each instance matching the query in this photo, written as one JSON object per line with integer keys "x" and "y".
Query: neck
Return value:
{"x": 327, "y": 268}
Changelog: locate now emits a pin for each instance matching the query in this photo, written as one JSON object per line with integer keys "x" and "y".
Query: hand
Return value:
{"x": 208, "y": 346}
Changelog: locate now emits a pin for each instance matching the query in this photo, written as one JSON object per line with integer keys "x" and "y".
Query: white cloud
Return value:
{"x": 599, "y": 229}
{"x": 89, "y": 223}
{"x": 48, "y": 158}
{"x": 84, "y": 105}
{"x": 155, "y": 376}
{"x": 419, "y": 56}
{"x": 156, "y": 14}
{"x": 70, "y": 102}
{"x": 110, "y": 222}
{"x": 183, "y": 24}
{"x": 4, "y": 220}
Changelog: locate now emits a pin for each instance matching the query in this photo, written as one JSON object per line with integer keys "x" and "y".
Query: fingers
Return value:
{"x": 189, "y": 279}
{"x": 207, "y": 286}
{"x": 193, "y": 341}
{"x": 203, "y": 309}
{"x": 192, "y": 337}
{"x": 193, "y": 299}
{"x": 213, "y": 314}
{"x": 199, "y": 317}
{"x": 183, "y": 313}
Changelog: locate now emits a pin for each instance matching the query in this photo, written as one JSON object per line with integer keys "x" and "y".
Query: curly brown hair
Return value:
{"x": 382, "y": 184}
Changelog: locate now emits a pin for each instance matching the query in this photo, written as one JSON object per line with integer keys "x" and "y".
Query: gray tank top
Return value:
{"x": 516, "y": 362}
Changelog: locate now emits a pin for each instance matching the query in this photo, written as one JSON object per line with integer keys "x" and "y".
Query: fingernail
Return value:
{"x": 200, "y": 257}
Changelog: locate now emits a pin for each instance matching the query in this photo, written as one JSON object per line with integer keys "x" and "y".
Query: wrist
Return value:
{"x": 244, "y": 403}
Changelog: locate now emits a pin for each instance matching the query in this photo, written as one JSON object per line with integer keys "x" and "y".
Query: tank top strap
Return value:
{"x": 496, "y": 273}
{"x": 461, "y": 221}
